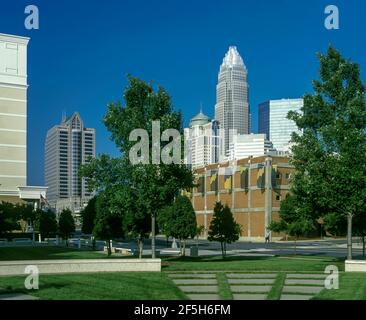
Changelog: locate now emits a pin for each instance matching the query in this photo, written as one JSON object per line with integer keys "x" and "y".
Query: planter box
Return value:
{"x": 10, "y": 268}
{"x": 355, "y": 265}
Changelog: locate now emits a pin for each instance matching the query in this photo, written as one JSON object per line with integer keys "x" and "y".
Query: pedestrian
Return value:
{"x": 267, "y": 237}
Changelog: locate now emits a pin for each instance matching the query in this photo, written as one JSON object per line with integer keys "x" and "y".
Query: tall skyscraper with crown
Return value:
{"x": 232, "y": 101}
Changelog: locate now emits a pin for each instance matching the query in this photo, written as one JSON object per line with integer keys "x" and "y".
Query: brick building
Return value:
{"x": 253, "y": 188}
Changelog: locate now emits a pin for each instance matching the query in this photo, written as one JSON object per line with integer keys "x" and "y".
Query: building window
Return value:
{"x": 288, "y": 176}
{"x": 278, "y": 197}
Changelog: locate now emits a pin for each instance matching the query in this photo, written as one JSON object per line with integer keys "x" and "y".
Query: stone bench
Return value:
{"x": 8, "y": 268}
{"x": 124, "y": 251}
{"x": 355, "y": 265}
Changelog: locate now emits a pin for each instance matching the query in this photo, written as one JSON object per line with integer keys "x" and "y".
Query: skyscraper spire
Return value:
{"x": 63, "y": 119}
{"x": 232, "y": 105}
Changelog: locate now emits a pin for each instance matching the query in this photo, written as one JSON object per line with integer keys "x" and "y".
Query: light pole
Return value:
{"x": 349, "y": 236}
{"x": 153, "y": 236}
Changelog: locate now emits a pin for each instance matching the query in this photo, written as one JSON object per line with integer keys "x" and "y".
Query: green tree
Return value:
{"x": 144, "y": 188}
{"x": 294, "y": 220}
{"x": 360, "y": 229}
{"x": 26, "y": 214}
{"x": 8, "y": 218}
{"x": 223, "y": 227}
{"x": 330, "y": 155}
{"x": 179, "y": 221}
{"x": 88, "y": 216}
{"x": 335, "y": 224}
{"x": 108, "y": 220}
{"x": 66, "y": 224}
{"x": 47, "y": 223}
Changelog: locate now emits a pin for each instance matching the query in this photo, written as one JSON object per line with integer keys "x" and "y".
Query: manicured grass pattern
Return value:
{"x": 99, "y": 286}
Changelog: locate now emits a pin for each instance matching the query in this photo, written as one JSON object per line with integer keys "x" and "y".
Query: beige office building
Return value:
{"x": 13, "y": 115}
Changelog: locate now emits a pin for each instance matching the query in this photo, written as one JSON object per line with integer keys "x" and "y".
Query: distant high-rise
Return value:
{"x": 272, "y": 120}
{"x": 68, "y": 146}
{"x": 249, "y": 145}
{"x": 232, "y": 103}
{"x": 202, "y": 141}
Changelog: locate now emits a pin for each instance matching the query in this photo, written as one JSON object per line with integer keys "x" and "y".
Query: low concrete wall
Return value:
{"x": 8, "y": 268}
{"x": 355, "y": 265}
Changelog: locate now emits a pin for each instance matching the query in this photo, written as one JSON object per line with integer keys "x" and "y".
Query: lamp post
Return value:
{"x": 153, "y": 255}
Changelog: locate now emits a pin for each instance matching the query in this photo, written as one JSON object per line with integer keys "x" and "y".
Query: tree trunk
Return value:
{"x": 295, "y": 245}
{"x": 222, "y": 249}
{"x": 180, "y": 247}
{"x": 140, "y": 244}
{"x": 167, "y": 241}
{"x": 153, "y": 236}
{"x": 349, "y": 236}
{"x": 109, "y": 251}
{"x": 184, "y": 248}
{"x": 363, "y": 246}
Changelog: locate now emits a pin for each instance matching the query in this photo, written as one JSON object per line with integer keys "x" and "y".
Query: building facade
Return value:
{"x": 252, "y": 187}
{"x": 272, "y": 121}
{"x": 67, "y": 147}
{"x": 232, "y": 101}
{"x": 13, "y": 115}
{"x": 203, "y": 141}
{"x": 249, "y": 145}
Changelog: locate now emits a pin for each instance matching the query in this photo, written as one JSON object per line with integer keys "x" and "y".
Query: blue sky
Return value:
{"x": 79, "y": 58}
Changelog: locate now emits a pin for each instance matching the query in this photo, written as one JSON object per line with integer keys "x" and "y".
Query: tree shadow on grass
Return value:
{"x": 217, "y": 259}
{"x": 12, "y": 289}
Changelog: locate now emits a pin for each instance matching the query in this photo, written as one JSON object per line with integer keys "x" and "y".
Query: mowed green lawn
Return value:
{"x": 98, "y": 286}
{"x": 149, "y": 285}
{"x": 43, "y": 253}
{"x": 352, "y": 286}
{"x": 211, "y": 263}
{"x": 251, "y": 264}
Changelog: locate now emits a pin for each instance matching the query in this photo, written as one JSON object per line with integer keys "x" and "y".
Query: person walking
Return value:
{"x": 267, "y": 236}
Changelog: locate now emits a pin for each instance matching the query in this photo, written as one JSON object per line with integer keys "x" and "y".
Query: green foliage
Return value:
{"x": 200, "y": 230}
{"x": 25, "y": 213}
{"x": 66, "y": 224}
{"x": 293, "y": 220}
{"x": 141, "y": 190}
{"x": 8, "y": 218}
{"x": 335, "y": 224}
{"x": 223, "y": 227}
{"x": 179, "y": 221}
{"x": 359, "y": 228}
{"x": 108, "y": 220}
{"x": 47, "y": 223}
{"x": 330, "y": 155}
{"x": 88, "y": 216}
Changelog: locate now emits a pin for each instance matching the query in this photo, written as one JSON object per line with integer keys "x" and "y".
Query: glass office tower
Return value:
{"x": 272, "y": 120}
{"x": 232, "y": 105}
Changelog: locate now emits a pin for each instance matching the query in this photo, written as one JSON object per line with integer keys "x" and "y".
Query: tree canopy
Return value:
{"x": 330, "y": 155}
{"x": 179, "y": 221}
{"x": 47, "y": 223}
{"x": 140, "y": 189}
{"x": 88, "y": 216}
{"x": 66, "y": 224}
{"x": 223, "y": 227}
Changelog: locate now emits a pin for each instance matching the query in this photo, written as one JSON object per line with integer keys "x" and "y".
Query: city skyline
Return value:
{"x": 193, "y": 52}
